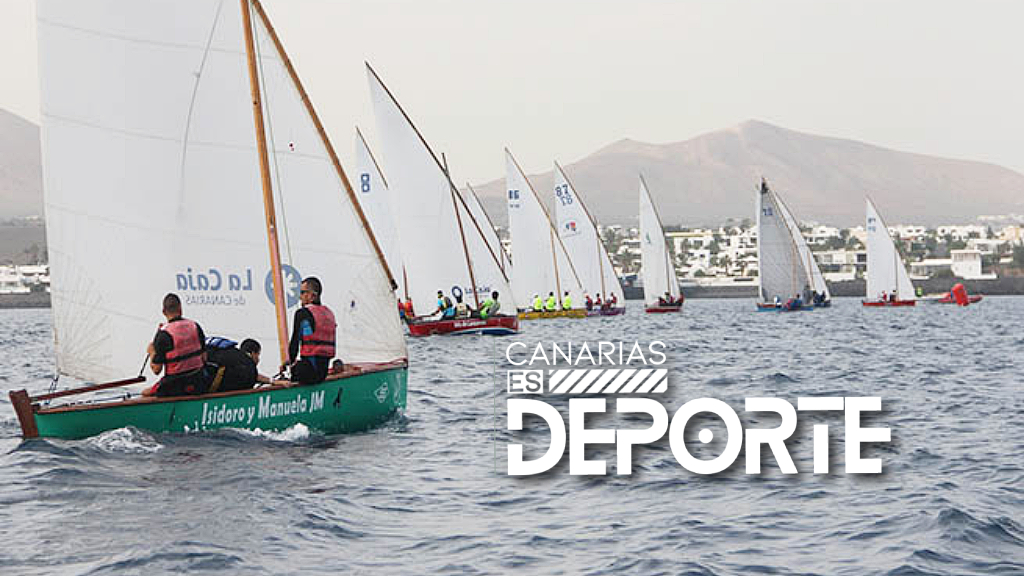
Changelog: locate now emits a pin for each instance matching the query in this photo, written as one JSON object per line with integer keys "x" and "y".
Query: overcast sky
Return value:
{"x": 558, "y": 79}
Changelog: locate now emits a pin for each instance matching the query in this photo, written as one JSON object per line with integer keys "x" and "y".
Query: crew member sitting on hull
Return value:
{"x": 778, "y": 301}
{"x": 599, "y": 303}
{"x": 613, "y": 300}
{"x": 461, "y": 308}
{"x": 567, "y": 301}
{"x": 552, "y": 303}
{"x": 490, "y": 307}
{"x": 444, "y": 306}
{"x": 177, "y": 351}
{"x": 589, "y": 302}
{"x": 538, "y": 304}
{"x": 234, "y": 367}
{"x": 892, "y": 297}
{"x": 312, "y": 345}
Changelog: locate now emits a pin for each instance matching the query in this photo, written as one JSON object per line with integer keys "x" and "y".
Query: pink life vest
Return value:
{"x": 187, "y": 353}
{"x": 321, "y": 341}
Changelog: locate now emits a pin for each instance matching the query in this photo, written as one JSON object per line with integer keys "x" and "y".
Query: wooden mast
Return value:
{"x": 462, "y": 232}
{"x": 554, "y": 261}
{"x": 280, "y": 304}
{"x": 323, "y": 138}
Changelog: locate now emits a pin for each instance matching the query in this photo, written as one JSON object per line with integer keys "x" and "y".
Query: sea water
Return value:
{"x": 428, "y": 492}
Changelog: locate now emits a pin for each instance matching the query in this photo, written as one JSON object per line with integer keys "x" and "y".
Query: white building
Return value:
{"x": 962, "y": 233}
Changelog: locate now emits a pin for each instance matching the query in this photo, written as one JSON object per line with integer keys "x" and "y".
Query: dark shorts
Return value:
{"x": 310, "y": 370}
{"x": 188, "y": 384}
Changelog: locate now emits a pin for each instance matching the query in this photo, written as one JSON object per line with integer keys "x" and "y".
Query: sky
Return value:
{"x": 559, "y": 79}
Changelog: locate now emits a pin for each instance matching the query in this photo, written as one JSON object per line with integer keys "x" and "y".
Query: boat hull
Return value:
{"x": 340, "y": 405}
{"x": 947, "y": 299}
{"x": 887, "y": 303}
{"x": 769, "y": 307}
{"x": 606, "y": 312}
{"x": 495, "y": 326}
{"x": 663, "y": 309}
{"x": 535, "y": 315}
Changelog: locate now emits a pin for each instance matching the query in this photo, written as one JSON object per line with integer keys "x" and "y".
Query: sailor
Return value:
{"x": 590, "y": 302}
{"x": 598, "y": 302}
{"x": 538, "y": 304}
{"x": 312, "y": 345}
{"x": 409, "y": 314}
{"x": 461, "y": 308}
{"x": 892, "y": 297}
{"x": 551, "y": 304}
{"x": 665, "y": 300}
{"x": 490, "y": 306}
{"x": 401, "y": 310}
{"x": 177, "y": 351}
{"x": 234, "y": 367}
{"x": 444, "y": 305}
{"x": 778, "y": 301}
{"x": 567, "y": 301}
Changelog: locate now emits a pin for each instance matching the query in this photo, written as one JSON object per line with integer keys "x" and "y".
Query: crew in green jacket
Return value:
{"x": 490, "y": 306}
{"x": 552, "y": 304}
{"x": 567, "y": 301}
{"x": 538, "y": 304}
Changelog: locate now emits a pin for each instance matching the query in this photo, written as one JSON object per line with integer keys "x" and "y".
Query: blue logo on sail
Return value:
{"x": 292, "y": 285}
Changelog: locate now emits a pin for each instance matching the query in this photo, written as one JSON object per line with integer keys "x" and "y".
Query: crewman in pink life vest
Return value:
{"x": 312, "y": 344}
{"x": 177, "y": 351}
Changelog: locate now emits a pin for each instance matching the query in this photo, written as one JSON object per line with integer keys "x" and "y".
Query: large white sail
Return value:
{"x": 885, "y": 271}
{"x": 372, "y": 191}
{"x": 781, "y": 271}
{"x": 152, "y": 185}
{"x": 579, "y": 234}
{"x": 542, "y": 264}
{"x": 441, "y": 242}
{"x": 656, "y": 268}
{"x": 487, "y": 226}
{"x": 817, "y": 279}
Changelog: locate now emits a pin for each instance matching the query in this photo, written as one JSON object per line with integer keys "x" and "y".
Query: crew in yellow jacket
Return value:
{"x": 552, "y": 304}
{"x": 567, "y": 301}
{"x": 538, "y": 304}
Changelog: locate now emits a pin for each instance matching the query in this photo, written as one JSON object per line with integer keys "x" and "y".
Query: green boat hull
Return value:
{"x": 348, "y": 404}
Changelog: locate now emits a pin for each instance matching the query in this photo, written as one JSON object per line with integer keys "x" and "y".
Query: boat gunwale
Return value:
{"x": 365, "y": 368}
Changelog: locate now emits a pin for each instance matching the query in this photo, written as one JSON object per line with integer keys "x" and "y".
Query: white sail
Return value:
{"x": 152, "y": 185}
{"x": 542, "y": 264}
{"x": 885, "y": 271}
{"x": 437, "y": 230}
{"x": 781, "y": 270}
{"x": 656, "y": 268}
{"x": 487, "y": 225}
{"x": 810, "y": 265}
{"x": 579, "y": 234}
{"x": 372, "y": 190}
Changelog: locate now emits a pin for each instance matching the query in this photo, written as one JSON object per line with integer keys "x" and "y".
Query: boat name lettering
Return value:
{"x": 300, "y": 404}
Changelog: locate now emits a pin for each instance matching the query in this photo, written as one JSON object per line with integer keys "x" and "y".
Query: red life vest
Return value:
{"x": 187, "y": 353}
{"x": 321, "y": 341}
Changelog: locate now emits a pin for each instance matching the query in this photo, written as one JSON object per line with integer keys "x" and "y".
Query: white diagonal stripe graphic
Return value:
{"x": 604, "y": 379}
{"x": 588, "y": 378}
{"x": 658, "y": 378}
{"x": 623, "y": 377}
{"x": 554, "y": 377}
{"x": 570, "y": 378}
{"x": 635, "y": 382}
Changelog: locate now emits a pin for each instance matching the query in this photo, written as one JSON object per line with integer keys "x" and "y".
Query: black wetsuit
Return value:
{"x": 239, "y": 369}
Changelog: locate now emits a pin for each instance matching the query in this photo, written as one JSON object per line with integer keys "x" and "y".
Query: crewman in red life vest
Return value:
{"x": 177, "y": 351}
{"x": 312, "y": 344}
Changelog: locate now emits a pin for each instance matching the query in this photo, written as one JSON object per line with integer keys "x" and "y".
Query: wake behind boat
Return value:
{"x": 150, "y": 219}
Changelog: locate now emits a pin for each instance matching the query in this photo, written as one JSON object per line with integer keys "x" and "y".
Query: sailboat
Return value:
{"x": 443, "y": 245}
{"x": 888, "y": 283}
{"x": 182, "y": 154}
{"x": 656, "y": 268}
{"x": 578, "y": 231}
{"x": 789, "y": 278}
{"x": 543, "y": 266}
